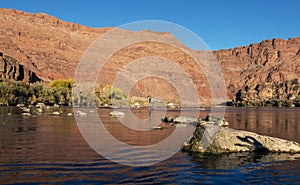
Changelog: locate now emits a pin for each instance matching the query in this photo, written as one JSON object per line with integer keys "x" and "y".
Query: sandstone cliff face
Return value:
{"x": 10, "y": 68}
{"x": 275, "y": 94}
{"x": 49, "y": 46}
{"x": 52, "y": 49}
{"x": 274, "y": 60}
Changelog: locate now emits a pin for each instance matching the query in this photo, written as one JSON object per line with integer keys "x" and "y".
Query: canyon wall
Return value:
{"x": 275, "y": 60}
{"x": 52, "y": 48}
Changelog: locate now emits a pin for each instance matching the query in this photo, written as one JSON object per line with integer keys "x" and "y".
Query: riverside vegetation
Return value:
{"x": 56, "y": 92}
{"x": 18, "y": 92}
{"x": 279, "y": 94}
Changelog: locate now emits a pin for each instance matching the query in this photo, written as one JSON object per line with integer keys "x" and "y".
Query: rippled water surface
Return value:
{"x": 48, "y": 149}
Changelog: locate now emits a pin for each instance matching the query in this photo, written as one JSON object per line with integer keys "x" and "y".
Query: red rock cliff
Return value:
{"x": 52, "y": 48}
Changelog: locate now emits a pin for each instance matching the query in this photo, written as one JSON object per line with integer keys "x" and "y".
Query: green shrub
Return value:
{"x": 108, "y": 95}
{"x": 56, "y": 92}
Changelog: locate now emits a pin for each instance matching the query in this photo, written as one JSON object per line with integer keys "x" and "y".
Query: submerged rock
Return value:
{"x": 210, "y": 119}
{"x": 180, "y": 120}
{"x": 56, "y": 113}
{"x": 186, "y": 120}
{"x": 171, "y": 105}
{"x": 116, "y": 113}
{"x": 157, "y": 128}
{"x": 80, "y": 113}
{"x": 213, "y": 119}
{"x": 167, "y": 119}
{"x": 212, "y": 137}
{"x": 26, "y": 114}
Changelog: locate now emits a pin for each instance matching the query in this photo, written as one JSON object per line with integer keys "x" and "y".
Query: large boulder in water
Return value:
{"x": 184, "y": 119}
{"x": 210, "y": 119}
{"x": 211, "y": 137}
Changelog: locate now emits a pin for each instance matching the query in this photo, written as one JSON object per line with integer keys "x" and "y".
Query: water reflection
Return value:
{"x": 277, "y": 122}
{"x": 117, "y": 127}
{"x": 235, "y": 160}
{"x": 50, "y": 149}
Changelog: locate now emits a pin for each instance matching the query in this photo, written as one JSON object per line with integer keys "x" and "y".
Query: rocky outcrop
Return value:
{"x": 275, "y": 60}
{"x": 270, "y": 94}
{"x": 210, "y": 119}
{"x": 11, "y": 69}
{"x": 210, "y": 137}
{"x": 180, "y": 120}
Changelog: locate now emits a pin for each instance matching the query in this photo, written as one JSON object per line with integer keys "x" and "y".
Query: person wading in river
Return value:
{"x": 150, "y": 102}
{"x": 150, "y": 109}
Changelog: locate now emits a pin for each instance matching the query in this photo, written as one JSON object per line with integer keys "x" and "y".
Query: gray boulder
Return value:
{"x": 116, "y": 113}
{"x": 186, "y": 120}
{"x": 211, "y": 136}
{"x": 210, "y": 120}
{"x": 213, "y": 119}
{"x": 180, "y": 121}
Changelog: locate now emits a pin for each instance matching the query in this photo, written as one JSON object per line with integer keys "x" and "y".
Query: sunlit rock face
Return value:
{"x": 277, "y": 94}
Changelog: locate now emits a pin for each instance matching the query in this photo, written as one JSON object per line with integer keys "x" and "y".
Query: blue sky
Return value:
{"x": 221, "y": 24}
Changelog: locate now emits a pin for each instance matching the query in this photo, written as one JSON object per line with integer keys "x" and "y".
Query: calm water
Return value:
{"x": 49, "y": 149}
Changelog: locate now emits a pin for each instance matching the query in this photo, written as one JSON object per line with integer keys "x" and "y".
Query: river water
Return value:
{"x": 46, "y": 149}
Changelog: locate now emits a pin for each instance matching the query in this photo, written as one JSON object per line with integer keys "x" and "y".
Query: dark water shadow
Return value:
{"x": 235, "y": 160}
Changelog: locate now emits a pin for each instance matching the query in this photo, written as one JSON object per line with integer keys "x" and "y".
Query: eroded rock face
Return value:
{"x": 210, "y": 137}
{"x": 11, "y": 69}
{"x": 273, "y": 94}
{"x": 275, "y": 60}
